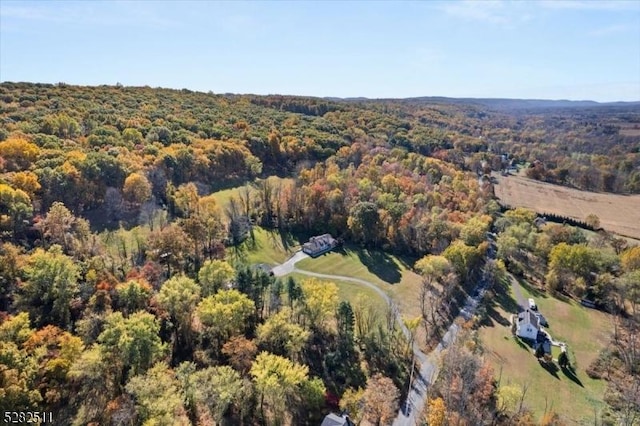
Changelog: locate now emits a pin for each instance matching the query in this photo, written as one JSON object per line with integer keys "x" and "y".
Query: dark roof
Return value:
{"x": 336, "y": 420}
{"x": 528, "y": 317}
{"x": 320, "y": 242}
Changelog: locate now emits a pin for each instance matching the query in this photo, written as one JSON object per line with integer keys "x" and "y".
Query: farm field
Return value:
{"x": 617, "y": 213}
{"x": 576, "y": 399}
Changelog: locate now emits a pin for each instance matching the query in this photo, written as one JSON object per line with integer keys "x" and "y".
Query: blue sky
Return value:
{"x": 517, "y": 49}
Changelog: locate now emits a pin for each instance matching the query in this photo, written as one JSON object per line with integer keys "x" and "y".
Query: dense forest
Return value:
{"x": 122, "y": 301}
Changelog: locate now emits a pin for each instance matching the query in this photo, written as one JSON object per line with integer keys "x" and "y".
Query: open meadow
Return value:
{"x": 576, "y": 398}
{"x": 617, "y": 213}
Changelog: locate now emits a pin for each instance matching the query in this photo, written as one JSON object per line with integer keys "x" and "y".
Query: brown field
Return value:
{"x": 630, "y": 129}
{"x": 617, "y": 213}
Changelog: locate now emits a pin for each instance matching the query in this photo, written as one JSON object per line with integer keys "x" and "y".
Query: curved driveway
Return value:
{"x": 409, "y": 414}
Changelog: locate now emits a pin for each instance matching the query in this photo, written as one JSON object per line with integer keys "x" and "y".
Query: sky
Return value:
{"x": 499, "y": 49}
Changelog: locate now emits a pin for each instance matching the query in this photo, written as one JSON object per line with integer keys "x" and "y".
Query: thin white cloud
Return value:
{"x": 610, "y": 30}
{"x": 488, "y": 11}
{"x": 611, "y": 5}
{"x": 89, "y": 13}
{"x": 496, "y": 12}
{"x": 30, "y": 14}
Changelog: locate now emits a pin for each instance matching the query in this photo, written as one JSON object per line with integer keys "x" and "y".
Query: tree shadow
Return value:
{"x": 381, "y": 265}
{"x": 524, "y": 343}
{"x": 551, "y": 367}
{"x": 534, "y": 291}
{"x": 283, "y": 239}
{"x": 571, "y": 375}
{"x": 501, "y": 299}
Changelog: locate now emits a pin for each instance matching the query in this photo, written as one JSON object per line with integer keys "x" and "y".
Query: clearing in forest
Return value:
{"x": 617, "y": 213}
{"x": 577, "y": 398}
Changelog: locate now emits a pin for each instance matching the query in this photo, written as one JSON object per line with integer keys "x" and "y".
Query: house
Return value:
{"x": 540, "y": 221}
{"x": 319, "y": 244}
{"x": 336, "y": 420}
{"x": 527, "y": 325}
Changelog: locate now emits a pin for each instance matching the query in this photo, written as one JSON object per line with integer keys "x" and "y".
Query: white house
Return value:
{"x": 527, "y": 325}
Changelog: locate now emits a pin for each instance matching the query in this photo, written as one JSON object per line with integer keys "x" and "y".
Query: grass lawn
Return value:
{"x": 388, "y": 272}
{"x": 266, "y": 246}
{"x": 586, "y": 332}
{"x": 222, "y": 197}
{"x": 352, "y": 293}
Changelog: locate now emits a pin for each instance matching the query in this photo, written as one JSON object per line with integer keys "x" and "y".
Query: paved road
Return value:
{"x": 411, "y": 410}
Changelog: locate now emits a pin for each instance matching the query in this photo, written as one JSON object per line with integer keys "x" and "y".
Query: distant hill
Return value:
{"x": 497, "y": 103}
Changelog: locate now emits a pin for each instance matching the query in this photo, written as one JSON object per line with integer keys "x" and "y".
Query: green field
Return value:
{"x": 585, "y": 331}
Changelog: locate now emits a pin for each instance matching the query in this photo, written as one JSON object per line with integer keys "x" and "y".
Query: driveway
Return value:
{"x": 289, "y": 265}
{"x": 411, "y": 410}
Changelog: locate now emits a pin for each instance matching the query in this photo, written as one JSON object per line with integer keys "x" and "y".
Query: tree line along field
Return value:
{"x": 129, "y": 291}
{"x": 617, "y": 213}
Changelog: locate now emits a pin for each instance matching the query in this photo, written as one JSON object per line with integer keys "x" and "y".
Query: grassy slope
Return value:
{"x": 222, "y": 197}
{"x": 584, "y": 330}
{"x": 266, "y": 246}
{"x": 353, "y": 293}
{"x": 388, "y": 272}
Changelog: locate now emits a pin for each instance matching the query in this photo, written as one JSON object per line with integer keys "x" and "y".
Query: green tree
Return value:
{"x": 132, "y": 344}
{"x": 95, "y": 387}
{"x": 218, "y": 389}
{"x": 136, "y": 189}
{"x": 213, "y": 275}
{"x": 15, "y": 210}
{"x": 352, "y": 402}
{"x": 133, "y": 296}
{"x": 225, "y": 313}
{"x": 463, "y": 258}
{"x": 320, "y": 301}
{"x": 569, "y": 262}
{"x": 281, "y": 336}
{"x": 474, "y": 231}
{"x": 179, "y": 296}
{"x": 364, "y": 222}
{"x": 280, "y": 381}
{"x": 158, "y": 397}
{"x": 52, "y": 283}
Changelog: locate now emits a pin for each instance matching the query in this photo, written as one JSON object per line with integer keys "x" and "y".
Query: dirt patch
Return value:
{"x": 617, "y": 213}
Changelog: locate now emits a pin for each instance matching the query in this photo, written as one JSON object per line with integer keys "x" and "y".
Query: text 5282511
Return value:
{"x": 27, "y": 417}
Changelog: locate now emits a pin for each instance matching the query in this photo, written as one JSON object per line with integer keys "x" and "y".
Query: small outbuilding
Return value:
{"x": 319, "y": 244}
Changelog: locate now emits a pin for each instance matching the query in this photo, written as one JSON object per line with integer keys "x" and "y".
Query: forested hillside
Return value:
{"x": 122, "y": 302}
